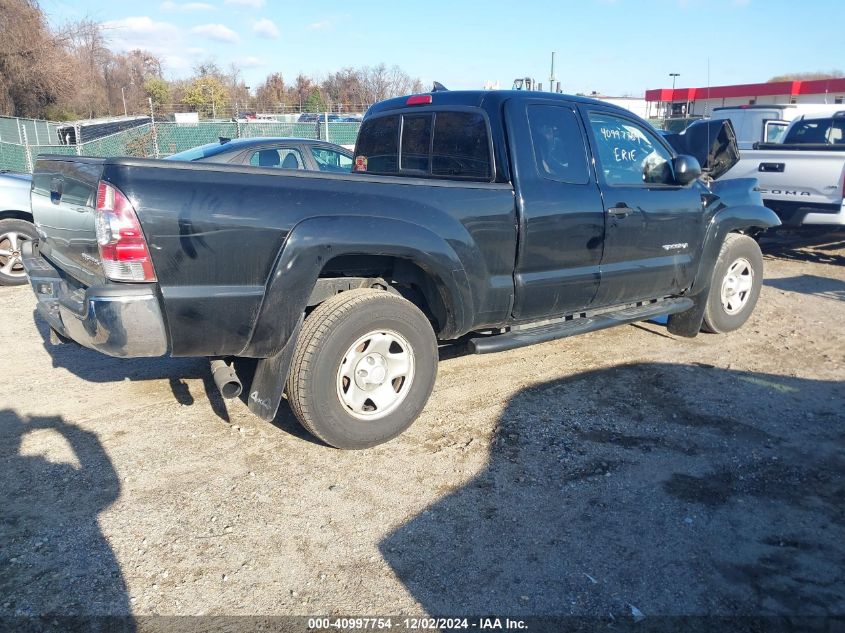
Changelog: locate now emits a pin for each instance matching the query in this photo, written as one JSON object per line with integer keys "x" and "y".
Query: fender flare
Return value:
{"x": 723, "y": 222}
{"x": 314, "y": 241}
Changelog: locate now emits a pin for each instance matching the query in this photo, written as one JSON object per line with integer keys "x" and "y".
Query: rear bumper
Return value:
{"x": 836, "y": 219}
{"x": 795, "y": 214}
{"x": 119, "y": 320}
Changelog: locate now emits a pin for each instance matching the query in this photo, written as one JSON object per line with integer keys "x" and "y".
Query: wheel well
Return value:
{"x": 402, "y": 276}
{"x": 16, "y": 215}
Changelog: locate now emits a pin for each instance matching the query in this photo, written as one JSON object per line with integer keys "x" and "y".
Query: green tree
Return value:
{"x": 315, "y": 102}
{"x": 158, "y": 90}
{"x": 206, "y": 95}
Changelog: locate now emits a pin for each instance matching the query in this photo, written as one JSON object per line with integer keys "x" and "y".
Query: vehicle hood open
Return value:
{"x": 712, "y": 142}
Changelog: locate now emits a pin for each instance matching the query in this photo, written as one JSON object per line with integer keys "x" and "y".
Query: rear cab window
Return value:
{"x": 818, "y": 131}
{"x": 433, "y": 144}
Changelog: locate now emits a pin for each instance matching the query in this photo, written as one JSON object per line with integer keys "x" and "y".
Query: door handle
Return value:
{"x": 620, "y": 211}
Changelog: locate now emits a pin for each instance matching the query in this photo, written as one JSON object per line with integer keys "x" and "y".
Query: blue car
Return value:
{"x": 279, "y": 153}
{"x": 16, "y": 226}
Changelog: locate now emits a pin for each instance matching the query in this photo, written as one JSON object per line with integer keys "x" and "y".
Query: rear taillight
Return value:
{"x": 123, "y": 248}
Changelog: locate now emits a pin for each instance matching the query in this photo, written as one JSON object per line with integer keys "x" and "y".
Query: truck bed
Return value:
{"x": 217, "y": 232}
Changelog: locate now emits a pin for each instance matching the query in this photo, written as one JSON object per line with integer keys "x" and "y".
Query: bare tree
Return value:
{"x": 808, "y": 76}
{"x": 301, "y": 90}
{"x": 238, "y": 91}
{"x": 72, "y": 73}
{"x": 343, "y": 87}
{"x": 93, "y": 61}
{"x": 380, "y": 82}
{"x": 272, "y": 94}
{"x": 34, "y": 67}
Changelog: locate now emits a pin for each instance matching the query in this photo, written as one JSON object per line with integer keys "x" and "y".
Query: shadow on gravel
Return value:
{"x": 808, "y": 245}
{"x": 54, "y": 559}
{"x": 674, "y": 489}
{"x": 96, "y": 367}
{"x": 824, "y": 287}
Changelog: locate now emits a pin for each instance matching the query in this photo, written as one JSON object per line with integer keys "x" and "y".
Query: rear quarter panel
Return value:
{"x": 216, "y": 233}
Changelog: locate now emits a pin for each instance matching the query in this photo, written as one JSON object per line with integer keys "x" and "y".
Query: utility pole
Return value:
{"x": 153, "y": 126}
{"x": 674, "y": 76}
{"x": 213, "y": 103}
{"x": 552, "y": 74}
{"x": 123, "y": 94}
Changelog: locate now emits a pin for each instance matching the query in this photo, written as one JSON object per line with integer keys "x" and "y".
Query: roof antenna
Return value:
{"x": 438, "y": 87}
{"x": 706, "y": 107}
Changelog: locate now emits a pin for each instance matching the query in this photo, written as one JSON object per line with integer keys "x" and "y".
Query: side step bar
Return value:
{"x": 562, "y": 329}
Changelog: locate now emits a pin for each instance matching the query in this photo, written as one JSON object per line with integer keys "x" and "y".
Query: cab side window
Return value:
{"x": 280, "y": 158}
{"x": 628, "y": 153}
{"x": 559, "y": 146}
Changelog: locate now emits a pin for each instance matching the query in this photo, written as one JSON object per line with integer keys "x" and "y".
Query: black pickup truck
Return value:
{"x": 499, "y": 218}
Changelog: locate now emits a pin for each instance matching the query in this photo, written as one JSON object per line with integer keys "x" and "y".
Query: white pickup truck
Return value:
{"x": 767, "y": 123}
{"x": 803, "y": 178}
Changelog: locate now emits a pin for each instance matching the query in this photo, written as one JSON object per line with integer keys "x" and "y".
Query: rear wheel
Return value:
{"x": 737, "y": 279}
{"x": 363, "y": 369}
{"x": 13, "y": 234}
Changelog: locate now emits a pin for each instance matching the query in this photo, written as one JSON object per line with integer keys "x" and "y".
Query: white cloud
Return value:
{"x": 141, "y": 29}
{"x": 250, "y": 62}
{"x": 163, "y": 39}
{"x": 265, "y": 28}
{"x": 321, "y": 25}
{"x": 218, "y": 32}
{"x": 168, "y": 5}
{"x": 255, "y": 4}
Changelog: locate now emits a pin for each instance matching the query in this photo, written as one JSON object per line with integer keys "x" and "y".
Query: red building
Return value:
{"x": 701, "y": 101}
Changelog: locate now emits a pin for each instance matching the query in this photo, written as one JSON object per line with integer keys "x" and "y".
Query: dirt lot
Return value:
{"x": 625, "y": 468}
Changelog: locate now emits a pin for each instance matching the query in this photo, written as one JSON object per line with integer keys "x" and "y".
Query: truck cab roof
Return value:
{"x": 487, "y": 99}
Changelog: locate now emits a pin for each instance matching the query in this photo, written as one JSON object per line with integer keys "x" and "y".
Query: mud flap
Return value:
{"x": 271, "y": 374}
{"x": 688, "y": 323}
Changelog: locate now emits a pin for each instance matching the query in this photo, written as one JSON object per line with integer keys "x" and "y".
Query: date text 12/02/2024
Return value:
{"x": 415, "y": 624}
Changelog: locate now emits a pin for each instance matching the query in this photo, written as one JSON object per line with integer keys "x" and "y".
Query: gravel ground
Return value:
{"x": 621, "y": 469}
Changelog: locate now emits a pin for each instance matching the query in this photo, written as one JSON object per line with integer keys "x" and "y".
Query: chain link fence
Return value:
{"x": 154, "y": 140}
{"x": 37, "y": 131}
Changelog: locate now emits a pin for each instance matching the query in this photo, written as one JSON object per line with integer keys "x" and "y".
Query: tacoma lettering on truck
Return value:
{"x": 785, "y": 192}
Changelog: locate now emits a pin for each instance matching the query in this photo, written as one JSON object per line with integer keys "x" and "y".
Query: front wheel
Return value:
{"x": 363, "y": 368}
{"x": 737, "y": 279}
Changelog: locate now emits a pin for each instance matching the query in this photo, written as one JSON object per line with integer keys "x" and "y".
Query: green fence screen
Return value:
{"x": 155, "y": 140}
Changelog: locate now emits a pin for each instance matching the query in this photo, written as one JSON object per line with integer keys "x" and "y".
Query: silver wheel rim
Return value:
{"x": 11, "y": 253}
{"x": 737, "y": 285}
{"x": 375, "y": 374}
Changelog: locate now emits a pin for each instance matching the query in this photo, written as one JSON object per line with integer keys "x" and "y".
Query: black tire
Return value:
{"x": 20, "y": 229}
{"x": 739, "y": 253}
{"x": 315, "y": 380}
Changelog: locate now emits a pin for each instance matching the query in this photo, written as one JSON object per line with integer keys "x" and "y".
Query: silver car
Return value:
{"x": 16, "y": 226}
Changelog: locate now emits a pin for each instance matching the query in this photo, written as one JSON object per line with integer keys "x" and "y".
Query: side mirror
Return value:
{"x": 686, "y": 169}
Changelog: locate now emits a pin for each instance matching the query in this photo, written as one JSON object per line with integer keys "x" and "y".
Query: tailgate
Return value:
{"x": 810, "y": 178}
{"x": 64, "y": 193}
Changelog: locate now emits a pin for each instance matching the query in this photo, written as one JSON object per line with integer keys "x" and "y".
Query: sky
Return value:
{"x": 614, "y": 47}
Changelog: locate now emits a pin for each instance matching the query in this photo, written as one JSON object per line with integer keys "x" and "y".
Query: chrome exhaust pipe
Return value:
{"x": 225, "y": 378}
